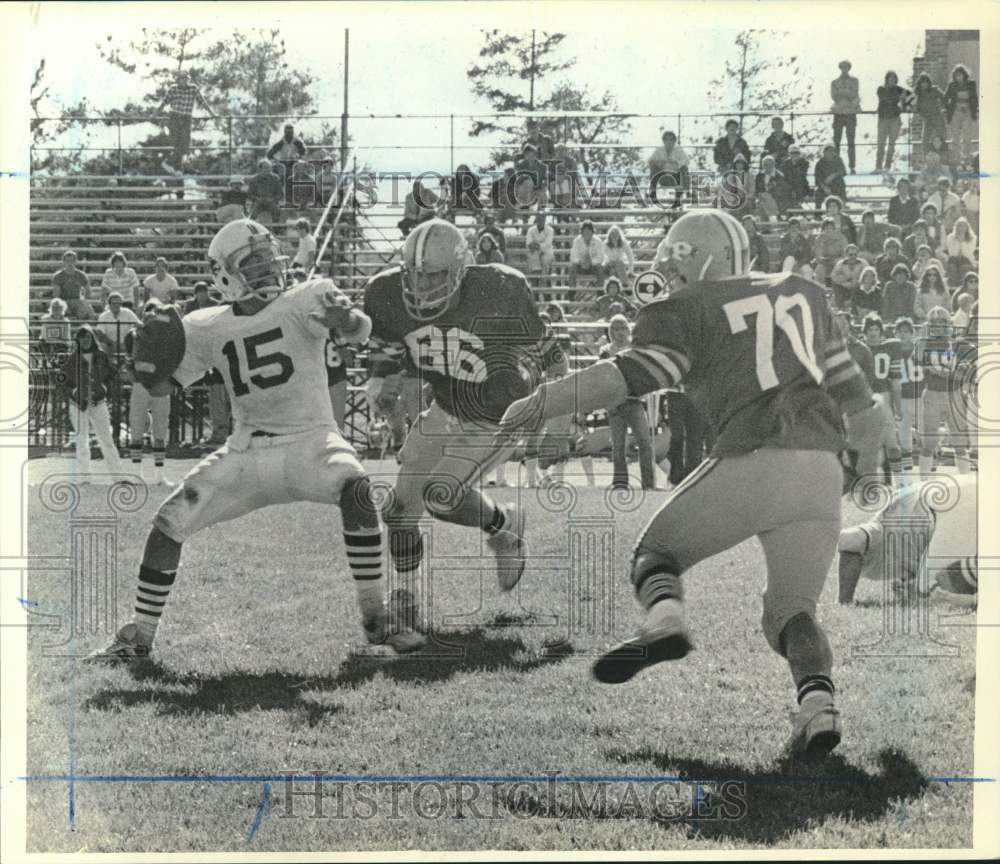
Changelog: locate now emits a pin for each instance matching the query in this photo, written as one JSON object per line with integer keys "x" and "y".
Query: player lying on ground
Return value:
{"x": 473, "y": 334}
{"x": 269, "y": 345}
{"x": 933, "y": 548}
{"x": 760, "y": 358}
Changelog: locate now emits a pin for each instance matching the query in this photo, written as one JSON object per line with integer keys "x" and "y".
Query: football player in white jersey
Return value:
{"x": 268, "y": 344}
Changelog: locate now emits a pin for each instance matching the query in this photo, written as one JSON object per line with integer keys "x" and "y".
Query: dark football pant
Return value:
{"x": 788, "y": 499}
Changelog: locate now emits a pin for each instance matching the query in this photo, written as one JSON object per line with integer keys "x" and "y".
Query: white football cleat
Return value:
{"x": 816, "y": 732}
{"x": 509, "y": 547}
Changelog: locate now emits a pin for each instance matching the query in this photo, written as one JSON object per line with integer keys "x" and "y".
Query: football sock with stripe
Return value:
{"x": 814, "y": 691}
{"x": 150, "y": 598}
{"x": 136, "y": 453}
{"x": 364, "y": 556}
{"x": 895, "y": 469}
{"x": 158, "y": 455}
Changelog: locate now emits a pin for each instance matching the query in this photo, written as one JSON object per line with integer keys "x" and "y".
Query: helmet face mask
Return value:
{"x": 432, "y": 268}
{"x": 246, "y": 261}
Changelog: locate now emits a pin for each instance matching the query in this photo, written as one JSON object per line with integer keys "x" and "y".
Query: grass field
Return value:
{"x": 260, "y": 671}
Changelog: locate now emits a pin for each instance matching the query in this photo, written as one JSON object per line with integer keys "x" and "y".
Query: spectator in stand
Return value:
{"x": 219, "y": 411}
{"x": 728, "y": 146}
{"x": 586, "y": 254}
{"x": 502, "y": 194}
{"x": 232, "y": 202}
{"x": 961, "y": 105}
{"x": 932, "y": 293}
{"x": 539, "y": 240}
{"x": 796, "y": 170}
{"x": 540, "y": 141}
{"x": 778, "y": 141}
{"x": 490, "y": 227}
{"x": 960, "y": 247}
{"x": 933, "y": 170}
{"x": 846, "y": 105}
{"x": 930, "y": 108}
{"x": 846, "y": 275}
{"x": 947, "y": 203}
{"x": 736, "y": 189}
{"x": 629, "y": 414}
{"x": 914, "y": 240}
{"x": 564, "y": 180}
{"x": 160, "y": 284}
{"x": 305, "y": 254}
{"x": 71, "y": 285}
{"x": 796, "y": 250}
{"x": 867, "y": 294}
{"x": 890, "y": 257}
{"x": 890, "y": 96}
{"x": 115, "y": 321}
{"x": 871, "y": 237}
{"x": 899, "y": 294}
{"x": 87, "y": 375}
{"x": 760, "y": 256}
{"x": 611, "y": 302}
{"x": 264, "y": 194}
{"x": 179, "y": 100}
{"x": 829, "y": 175}
{"x": 933, "y": 227}
{"x": 963, "y": 314}
{"x": 121, "y": 278}
{"x": 939, "y": 146}
{"x": 618, "y": 258}
{"x": 286, "y": 151}
{"x": 773, "y": 192}
{"x": 668, "y": 166}
{"x": 55, "y": 333}
{"x": 420, "y": 205}
{"x": 925, "y": 261}
{"x": 465, "y": 190}
{"x": 834, "y": 207}
{"x": 828, "y": 248}
{"x": 532, "y": 169}
{"x": 904, "y": 209}
{"x": 970, "y": 204}
{"x": 970, "y": 285}
{"x": 487, "y": 251}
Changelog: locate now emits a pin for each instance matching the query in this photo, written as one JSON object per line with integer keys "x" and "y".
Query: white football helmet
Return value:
{"x": 704, "y": 244}
{"x": 434, "y": 262}
{"x": 246, "y": 261}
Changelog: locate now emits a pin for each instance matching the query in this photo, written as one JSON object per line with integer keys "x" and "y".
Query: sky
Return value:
{"x": 655, "y": 58}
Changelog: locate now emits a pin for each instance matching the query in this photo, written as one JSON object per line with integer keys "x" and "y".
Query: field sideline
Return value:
{"x": 260, "y": 671}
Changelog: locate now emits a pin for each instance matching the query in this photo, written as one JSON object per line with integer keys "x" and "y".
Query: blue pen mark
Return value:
{"x": 263, "y": 812}
{"x": 13, "y": 173}
{"x": 27, "y": 604}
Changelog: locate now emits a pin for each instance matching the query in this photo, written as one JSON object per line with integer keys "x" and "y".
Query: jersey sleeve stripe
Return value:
{"x": 845, "y": 373}
{"x": 831, "y": 361}
{"x": 658, "y": 365}
{"x": 679, "y": 358}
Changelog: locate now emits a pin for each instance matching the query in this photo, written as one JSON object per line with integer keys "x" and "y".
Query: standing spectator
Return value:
{"x": 846, "y": 275}
{"x": 264, "y": 194}
{"x": 960, "y": 246}
{"x": 121, "y": 278}
{"x": 796, "y": 170}
{"x": 871, "y": 237}
{"x": 495, "y": 231}
{"x": 760, "y": 255}
{"x": 565, "y": 181}
{"x": 116, "y": 321}
{"x": 668, "y": 166}
{"x": 829, "y": 247}
{"x": 87, "y": 375}
{"x": 503, "y": 194}
{"x": 867, "y": 294}
{"x": 728, "y": 146}
{"x": 286, "y": 151}
{"x": 834, "y": 207}
{"x": 219, "y": 411}
{"x": 772, "y": 191}
{"x": 930, "y": 108}
{"x": 890, "y": 257}
{"x": 899, "y": 294}
{"x": 539, "y": 241}
{"x": 618, "y": 258}
{"x": 736, "y": 188}
{"x": 146, "y": 404}
{"x": 232, "y": 202}
{"x": 160, "y": 284}
{"x": 586, "y": 254}
{"x": 846, "y": 105}
{"x": 778, "y": 141}
{"x": 690, "y": 435}
{"x": 947, "y": 204}
{"x": 932, "y": 293}
{"x": 465, "y": 191}
{"x": 904, "y": 209}
{"x": 532, "y": 175}
{"x": 180, "y": 101}
{"x": 889, "y": 95}
{"x": 630, "y": 414}
{"x": 925, "y": 261}
{"x": 420, "y": 205}
{"x": 55, "y": 331}
{"x": 71, "y": 285}
{"x": 961, "y": 105}
{"x": 305, "y": 254}
{"x": 540, "y": 141}
{"x": 796, "y": 250}
{"x": 829, "y": 175}
{"x": 487, "y": 251}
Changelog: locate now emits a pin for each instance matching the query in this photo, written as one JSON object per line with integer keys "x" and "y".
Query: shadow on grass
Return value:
{"x": 792, "y": 796}
{"x": 447, "y": 654}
